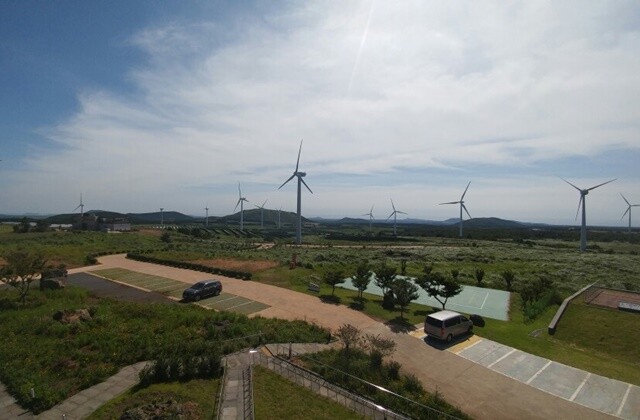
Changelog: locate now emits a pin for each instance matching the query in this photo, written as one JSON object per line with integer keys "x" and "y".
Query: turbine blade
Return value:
{"x": 467, "y": 211}
{"x": 76, "y": 208}
{"x": 290, "y": 178}
{"x": 579, "y": 204}
{"x": 237, "y": 204}
{"x": 305, "y": 184}
{"x": 390, "y": 216}
{"x": 265, "y": 202}
{"x": 600, "y": 185}
{"x": 401, "y": 212}
{"x": 450, "y": 202}
{"x": 465, "y": 191}
{"x": 392, "y": 205}
{"x": 239, "y": 191}
{"x": 625, "y": 213}
{"x": 299, "y": 150}
{"x": 571, "y": 184}
{"x": 626, "y": 201}
{"x": 371, "y": 211}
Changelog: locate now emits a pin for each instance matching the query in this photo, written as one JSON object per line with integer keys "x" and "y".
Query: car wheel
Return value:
{"x": 449, "y": 338}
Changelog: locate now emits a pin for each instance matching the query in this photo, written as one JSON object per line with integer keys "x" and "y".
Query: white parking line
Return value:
{"x": 575, "y": 394}
{"x": 242, "y": 304}
{"x": 502, "y": 358}
{"x": 224, "y": 300}
{"x": 538, "y": 372}
{"x": 624, "y": 400}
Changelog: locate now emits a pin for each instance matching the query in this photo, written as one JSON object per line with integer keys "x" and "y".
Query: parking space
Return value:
{"x": 597, "y": 392}
{"x": 174, "y": 288}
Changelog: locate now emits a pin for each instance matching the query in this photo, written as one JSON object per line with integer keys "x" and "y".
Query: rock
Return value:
{"x": 163, "y": 410}
{"x": 72, "y": 316}
{"x": 53, "y": 283}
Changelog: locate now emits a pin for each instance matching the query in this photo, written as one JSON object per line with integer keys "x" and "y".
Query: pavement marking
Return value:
{"x": 484, "y": 301}
{"x": 502, "y": 358}
{"x": 624, "y": 400}
{"x": 538, "y": 372}
{"x": 470, "y": 342}
{"x": 242, "y": 304}
{"x": 584, "y": 381}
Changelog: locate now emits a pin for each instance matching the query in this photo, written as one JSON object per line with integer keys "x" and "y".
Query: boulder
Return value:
{"x": 53, "y": 283}
{"x": 72, "y": 316}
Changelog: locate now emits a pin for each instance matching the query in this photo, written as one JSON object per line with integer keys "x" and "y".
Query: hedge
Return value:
{"x": 191, "y": 266}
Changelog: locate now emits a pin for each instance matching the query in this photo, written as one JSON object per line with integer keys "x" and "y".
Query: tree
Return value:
{"x": 455, "y": 273}
{"x": 362, "y": 278}
{"x": 404, "y": 292}
{"x": 440, "y": 287}
{"x": 385, "y": 277}
{"x": 23, "y": 227}
{"x": 21, "y": 270}
{"x": 508, "y": 277}
{"x": 333, "y": 277}
{"x": 348, "y": 335}
{"x": 479, "y": 276}
{"x": 378, "y": 347}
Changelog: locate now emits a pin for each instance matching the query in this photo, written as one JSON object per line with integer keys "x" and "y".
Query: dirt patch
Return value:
{"x": 250, "y": 266}
{"x": 611, "y": 298}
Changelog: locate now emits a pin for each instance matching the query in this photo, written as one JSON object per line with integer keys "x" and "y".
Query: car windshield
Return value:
{"x": 198, "y": 286}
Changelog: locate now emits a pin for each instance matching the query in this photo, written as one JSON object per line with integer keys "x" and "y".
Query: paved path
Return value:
{"x": 481, "y": 392}
{"x": 81, "y": 404}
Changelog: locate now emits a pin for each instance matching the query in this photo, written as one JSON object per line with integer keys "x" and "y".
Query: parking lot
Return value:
{"x": 594, "y": 391}
{"x": 174, "y": 288}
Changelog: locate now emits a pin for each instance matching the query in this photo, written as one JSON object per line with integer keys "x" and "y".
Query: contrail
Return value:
{"x": 362, "y": 42}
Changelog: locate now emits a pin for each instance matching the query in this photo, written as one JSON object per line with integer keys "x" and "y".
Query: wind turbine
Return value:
{"x": 370, "y": 214}
{"x": 161, "y": 217}
{"x": 240, "y": 202}
{"x": 629, "y": 205}
{"x": 81, "y": 207}
{"x": 300, "y": 175}
{"x": 206, "y": 220}
{"x": 582, "y": 202}
{"x": 462, "y": 206}
{"x": 394, "y": 214}
{"x": 261, "y": 213}
{"x": 279, "y": 210}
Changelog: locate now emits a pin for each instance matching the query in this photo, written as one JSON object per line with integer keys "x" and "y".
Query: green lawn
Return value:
{"x": 199, "y": 393}
{"x": 275, "y": 397}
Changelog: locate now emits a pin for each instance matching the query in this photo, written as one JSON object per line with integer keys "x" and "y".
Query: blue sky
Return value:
{"x": 141, "y": 105}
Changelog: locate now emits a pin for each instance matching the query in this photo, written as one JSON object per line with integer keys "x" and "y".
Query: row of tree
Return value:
{"x": 396, "y": 291}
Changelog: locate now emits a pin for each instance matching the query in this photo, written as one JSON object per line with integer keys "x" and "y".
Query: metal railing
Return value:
{"x": 221, "y": 390}
{"x": 247, "y": 383}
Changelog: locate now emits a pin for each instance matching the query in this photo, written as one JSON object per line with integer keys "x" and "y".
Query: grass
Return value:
{"x": 277, "y": 398}
{"x": 198, "y": 391}
{"x": 58, "y": 360}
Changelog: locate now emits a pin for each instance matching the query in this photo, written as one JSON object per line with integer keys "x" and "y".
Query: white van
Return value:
{"x": 445, "y": 325}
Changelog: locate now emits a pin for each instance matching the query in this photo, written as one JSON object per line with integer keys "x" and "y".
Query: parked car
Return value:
{"x": 202, "y": 289}
{"x": 445, "y": 325}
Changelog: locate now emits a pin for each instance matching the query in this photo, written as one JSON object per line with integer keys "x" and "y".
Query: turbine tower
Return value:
{"x": 300, "y": 175}
{"x": 261, "y": 213}
{"x": 462, "y": 206}
{"x": 81, "y": 207}
{"x": 279, "y": 210}
{"x": 629, "y": 205}
{"x": 240, "y": 202}
{"x": 582, "y": 202}
{"x": 161, "y": 216}
{"x": 394, "y": 214}
{"x": 370, "y": 214}
{"x": 206, "y": 219}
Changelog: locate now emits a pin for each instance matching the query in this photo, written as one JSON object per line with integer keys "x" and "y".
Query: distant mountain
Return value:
{"x": 481, "y": 222}
{"x": 156, "y": 217}
{"x": 270, "y": 217}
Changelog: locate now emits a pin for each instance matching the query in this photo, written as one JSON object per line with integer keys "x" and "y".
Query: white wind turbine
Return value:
{"x": 370, "y": 214}
{"x": 582, "y": 202}
{"x": 161, "y": 216}
{"x": 240, "y": 203}
{"x": 394, "y": 214}
{"x": 206, "y": 219}
{"x": 81, "y": 207}
{"x": 261, "y": 213}
{"x": 300, "y": 175}
{"x": 462, "y": 206}
{"x": 629, "y": 205}
{"x": 279, "y": 211}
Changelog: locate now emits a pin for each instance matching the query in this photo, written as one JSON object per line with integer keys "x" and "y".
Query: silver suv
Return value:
{"x": 445, "y": 325}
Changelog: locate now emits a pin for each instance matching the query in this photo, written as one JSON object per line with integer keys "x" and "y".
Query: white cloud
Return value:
{"x": 373, "y": 90}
